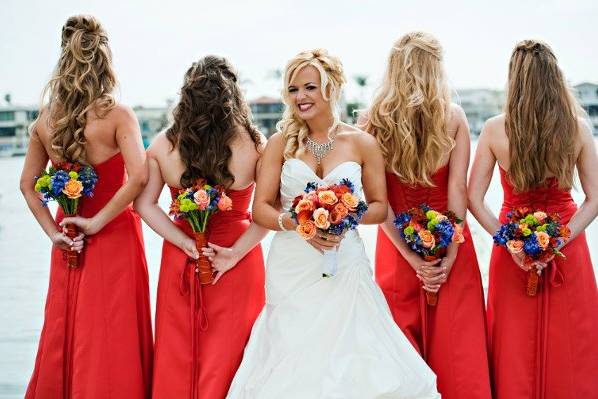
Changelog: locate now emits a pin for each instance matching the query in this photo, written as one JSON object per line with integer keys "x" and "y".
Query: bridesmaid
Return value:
{"x": 543, "y": 346}
{"x": 201, "y": 331}
{"x": 425, "y": 141}
{"x": 97, "y": 340}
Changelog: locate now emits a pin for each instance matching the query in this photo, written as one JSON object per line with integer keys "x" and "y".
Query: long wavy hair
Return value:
{"x": 210, "y": 112}
{"x": 411, "y": 110}
{"x": 82, "y": 81}
{"x": 540, "y": 119}
{"x": 294, "y": 129}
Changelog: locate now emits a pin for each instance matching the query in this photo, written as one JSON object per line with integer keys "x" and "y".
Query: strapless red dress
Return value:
{"x": 97, "y": 336}
{"x": 450, "y": 336}
{"x": 543, "y": 347}
{"x": 201, "y": 331}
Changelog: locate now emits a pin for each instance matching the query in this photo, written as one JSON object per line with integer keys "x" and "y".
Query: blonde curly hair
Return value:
{"x": 83, "y": 80}
{"x": 294, "y": 130}
{"x": 411, "y": 110}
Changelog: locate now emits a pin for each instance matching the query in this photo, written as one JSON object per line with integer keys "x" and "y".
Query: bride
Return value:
{"x": 323, "y": 337}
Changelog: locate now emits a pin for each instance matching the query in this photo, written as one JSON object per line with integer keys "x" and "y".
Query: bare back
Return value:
{"x": 242, "y": 164}
{"x": 100, "y": 133}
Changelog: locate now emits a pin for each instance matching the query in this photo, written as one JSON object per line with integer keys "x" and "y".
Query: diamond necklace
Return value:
{"x": 319, "y": 151}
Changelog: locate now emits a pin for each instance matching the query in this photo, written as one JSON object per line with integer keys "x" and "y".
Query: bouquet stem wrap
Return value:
{"x": 203, "y": 264}
{"x": 431, "y": 297}
{"x": 72, "y": 258}
{"x": 532, "y": 282}
{"x": 329, "y": 263}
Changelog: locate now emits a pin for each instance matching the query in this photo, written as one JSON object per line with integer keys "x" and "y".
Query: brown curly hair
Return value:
{"x": 83, "y": 80}
{"x": 207, "y": 119}
{"x": 540, "y": 118}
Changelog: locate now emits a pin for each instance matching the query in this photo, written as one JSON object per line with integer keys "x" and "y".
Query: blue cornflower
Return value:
{"x": 58, "y": 181}
{"x": 337, "y": 229}
{"x": 348, "y": 183}
{"x": 311, "y": 186}
{"x": 531, "y": 246}
{"x": 401, "y": 219}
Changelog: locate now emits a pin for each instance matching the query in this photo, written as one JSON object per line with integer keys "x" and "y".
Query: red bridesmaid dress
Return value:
{"x": 543, "y": 347}
{"x": 450, "y": 336}
{"x": 201, "y": 330}
{"x": 97, "y": 336}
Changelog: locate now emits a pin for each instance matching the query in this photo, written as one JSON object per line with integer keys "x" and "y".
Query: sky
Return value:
{"x": 154, "y": 42}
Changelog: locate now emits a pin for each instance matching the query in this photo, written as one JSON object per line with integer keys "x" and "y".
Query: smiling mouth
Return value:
{"x": 304, "y": 107}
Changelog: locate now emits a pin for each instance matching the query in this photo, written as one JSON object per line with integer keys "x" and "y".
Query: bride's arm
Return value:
{"x": 265, "y": 208}
{"x": 373, "y": 179}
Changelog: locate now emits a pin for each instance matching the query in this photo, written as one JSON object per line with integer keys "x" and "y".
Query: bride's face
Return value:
{"x": 305, "y": 94}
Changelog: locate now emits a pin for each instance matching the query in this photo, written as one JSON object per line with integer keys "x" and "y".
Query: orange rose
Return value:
{"x": 540, "y": 216}
{"x": 225, "y": 203}
{"x": 458, "y": 235}
{"x": 338, "y": 213}
{"x": 304, "y": 205}
{"x": 307, "y": 230}
{"x": 350, "y": 201}
{"x": 202, "y": 199}
{"x": 427, "y": 238}
{"x": 73, "y": 189}
{"x": 303, "y": 216}
{"x": 321, "y": 218}
{"x": 515, "y": 246}
{"x": 327, "y": 197}
{"x": 543, "y": 239}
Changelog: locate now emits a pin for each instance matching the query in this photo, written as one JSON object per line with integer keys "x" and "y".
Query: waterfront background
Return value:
{"x": 25, "y": 257}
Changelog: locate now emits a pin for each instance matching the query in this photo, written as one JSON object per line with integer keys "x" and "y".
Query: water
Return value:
{"x": 24, "y": 268}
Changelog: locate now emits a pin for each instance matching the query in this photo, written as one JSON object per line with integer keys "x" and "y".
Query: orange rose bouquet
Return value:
{"x": 66, "y": 183}
{"x": 537, "y": 235}
{"x": 197, "y": 204}
{"x": 428, "y": 233}
{"x": 332, "y": 209}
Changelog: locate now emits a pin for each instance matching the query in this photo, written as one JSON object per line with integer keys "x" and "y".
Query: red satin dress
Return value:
{"x": 97, "y": 336}
{"x": 201, "y": 330}
{"x": 451, "y": 336}
{"x": 543, "y": 347}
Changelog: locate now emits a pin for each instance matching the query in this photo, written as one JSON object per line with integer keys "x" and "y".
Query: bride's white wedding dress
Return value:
{"x": 326, "y": 337}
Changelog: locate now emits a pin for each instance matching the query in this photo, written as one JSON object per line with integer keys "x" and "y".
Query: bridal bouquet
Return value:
{"x": 536, "y": 235}
{"x": 428, "y": 233}
{"x": 332, "y": 209}
{"x": 66, "y": 183}
{"x": 197, "y": 204}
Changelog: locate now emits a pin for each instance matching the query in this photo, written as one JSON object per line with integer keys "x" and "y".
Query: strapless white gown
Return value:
{"x": 324, "y": 338}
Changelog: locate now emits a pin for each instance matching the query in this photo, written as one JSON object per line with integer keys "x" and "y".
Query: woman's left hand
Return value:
{"x": 87, "y": 226}
{"x": 222, "y": 259}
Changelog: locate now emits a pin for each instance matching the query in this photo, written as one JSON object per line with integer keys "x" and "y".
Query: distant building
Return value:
{"x": 152, "y": 120}
{"x": 14, "y": 125}
{"x": 479, "y": 105}
{"x": 587, "y": 95}
{"x": 267, "y": 111}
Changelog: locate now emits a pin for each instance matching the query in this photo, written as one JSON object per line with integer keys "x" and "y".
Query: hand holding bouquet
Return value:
{"x": 428, "y": 233}
{"x": 536, "y": 236}
{"x": 332, "y": 209}
{"x": 197, "y": 204}
{"x": 66, "y": 183}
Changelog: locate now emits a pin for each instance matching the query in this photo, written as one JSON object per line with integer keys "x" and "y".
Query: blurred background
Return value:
{"x": 153, "y": 43}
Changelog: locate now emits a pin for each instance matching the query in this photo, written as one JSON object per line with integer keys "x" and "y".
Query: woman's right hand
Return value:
{"x": 187, "y": 245}
{"x": 518, "y": 259}
{"x": 62, "y": 241}
{"x": 429, "y": 273}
